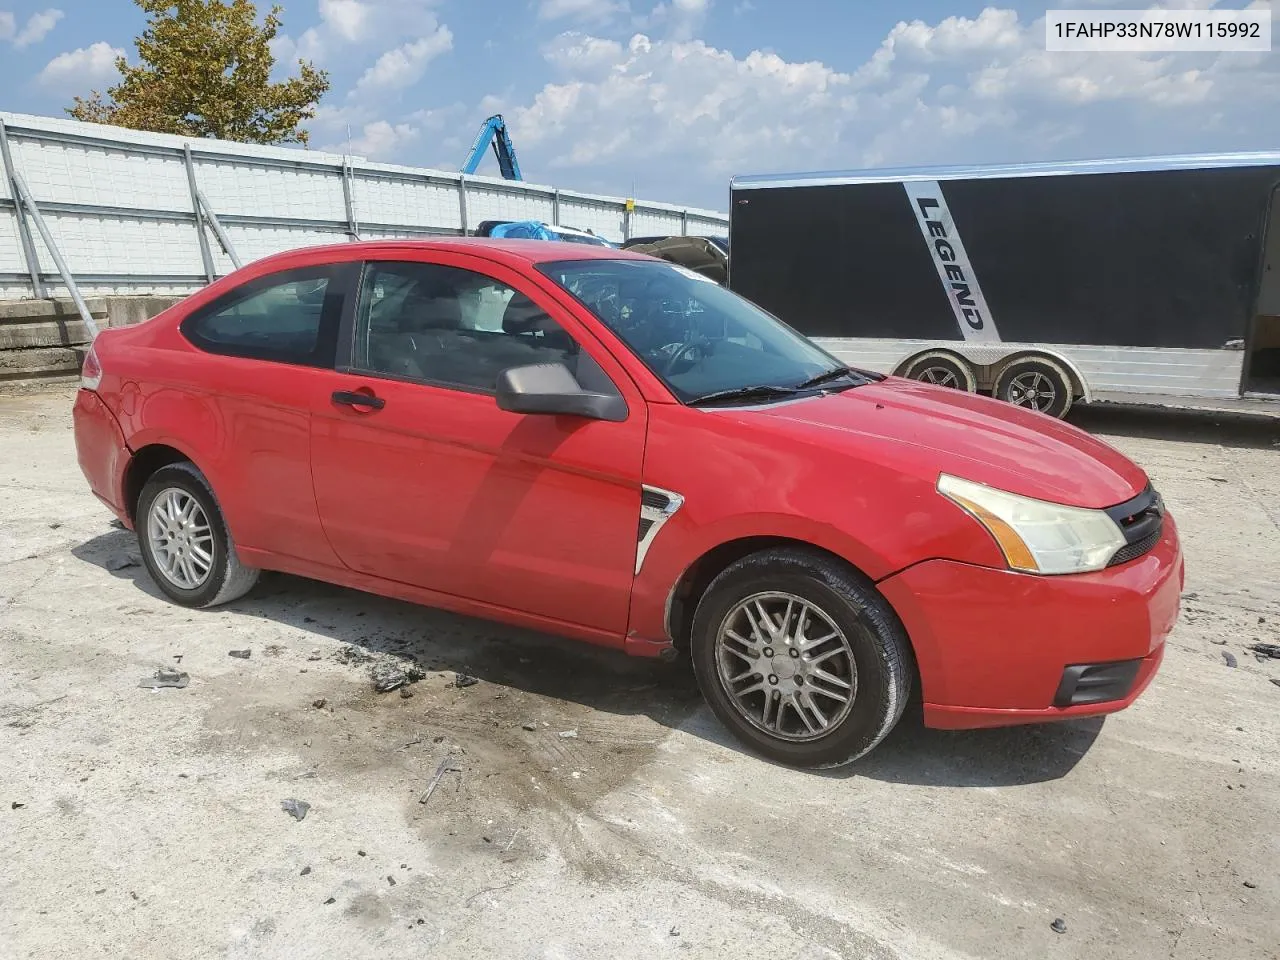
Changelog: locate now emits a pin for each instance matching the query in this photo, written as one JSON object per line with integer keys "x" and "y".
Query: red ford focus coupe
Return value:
{"x": 611, "y": 447}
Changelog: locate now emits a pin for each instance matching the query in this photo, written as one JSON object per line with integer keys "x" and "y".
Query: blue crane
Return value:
{"x": 494, "y": 132}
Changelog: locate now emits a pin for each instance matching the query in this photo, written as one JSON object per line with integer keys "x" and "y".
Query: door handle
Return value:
{"x": 353, "y": 398}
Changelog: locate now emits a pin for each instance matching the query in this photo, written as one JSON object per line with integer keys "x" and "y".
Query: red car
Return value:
{"x": 612, "y": 447}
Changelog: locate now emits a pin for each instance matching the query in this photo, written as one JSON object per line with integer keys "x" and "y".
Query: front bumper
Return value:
{"x": 997, "y": 648}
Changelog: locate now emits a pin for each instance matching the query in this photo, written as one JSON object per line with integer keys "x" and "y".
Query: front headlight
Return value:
{"x": 1035, "y": 536}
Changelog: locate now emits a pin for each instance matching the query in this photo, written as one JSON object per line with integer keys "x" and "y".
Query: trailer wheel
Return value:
{"x": 942, "y": 370}
{"x": 1036, "y": 383}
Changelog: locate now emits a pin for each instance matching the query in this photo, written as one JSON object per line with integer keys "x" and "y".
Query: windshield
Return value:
{"x": 700, "y": 338}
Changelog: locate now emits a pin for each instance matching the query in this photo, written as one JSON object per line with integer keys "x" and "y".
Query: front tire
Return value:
{"x": 801, "y": 657}
{"x": 184, "y": 540}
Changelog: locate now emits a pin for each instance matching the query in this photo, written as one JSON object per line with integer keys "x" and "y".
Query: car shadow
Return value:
{"x": 609, "y": 681}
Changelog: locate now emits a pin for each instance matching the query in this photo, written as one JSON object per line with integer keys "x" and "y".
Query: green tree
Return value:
{"x": 204, "y": 70}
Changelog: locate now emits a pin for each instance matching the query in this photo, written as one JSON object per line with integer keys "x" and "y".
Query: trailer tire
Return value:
{"x": 1036, "y": 383}
{"x": 943, "y": 370}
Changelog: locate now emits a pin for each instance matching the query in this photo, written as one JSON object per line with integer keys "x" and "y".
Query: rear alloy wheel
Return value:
{"x": 184, "y": 540}
{"x": 1036, "y": 384}
{"x": 942, "y": 370}
{"x": 801, "y": 657}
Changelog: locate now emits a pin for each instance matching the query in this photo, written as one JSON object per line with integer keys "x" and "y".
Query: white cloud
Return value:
{"x": 585, "y": 11}
{"x": 581, "y": 55}
{"x": 38, "y": 26}
{"x": 680, "y": 18}
{"x": 81, "y": 70}
{"x": 349, "y": 19}
{"x": 356, "y": 129}
{"x": 381, "y": 140}
{"x": 404, "y": 66}
{"x": 960, "y": 90}
{"x": 680, "y": 99}
{"x": 349, "y": 28}
{"x": 353, "y": 32}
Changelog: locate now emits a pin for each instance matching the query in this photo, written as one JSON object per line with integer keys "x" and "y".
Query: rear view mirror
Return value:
{"x": 549, "y": 388}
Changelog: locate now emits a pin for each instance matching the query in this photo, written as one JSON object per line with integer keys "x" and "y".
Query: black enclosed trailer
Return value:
{"x": 1041, "y": 283}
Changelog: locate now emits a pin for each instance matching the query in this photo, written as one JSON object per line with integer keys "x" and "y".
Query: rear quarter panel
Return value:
{"x": 244, "y": 423}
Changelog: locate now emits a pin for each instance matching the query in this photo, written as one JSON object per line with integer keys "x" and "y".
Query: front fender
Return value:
{"x": 682, "y": 543}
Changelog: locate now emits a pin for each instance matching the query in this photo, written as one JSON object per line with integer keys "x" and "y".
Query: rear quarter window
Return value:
{"x": 287, "y": 317}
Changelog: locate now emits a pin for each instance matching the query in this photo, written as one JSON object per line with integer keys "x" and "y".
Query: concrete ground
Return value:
{"x": 148, "y": 824}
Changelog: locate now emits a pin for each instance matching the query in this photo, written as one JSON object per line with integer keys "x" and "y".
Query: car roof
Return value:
{"x": 527, "y": 251}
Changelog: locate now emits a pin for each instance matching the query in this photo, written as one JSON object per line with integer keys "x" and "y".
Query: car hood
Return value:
{"x": 932, "y": 430}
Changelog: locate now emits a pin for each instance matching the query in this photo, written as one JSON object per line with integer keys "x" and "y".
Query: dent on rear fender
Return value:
{"x": 166, "y": 418}
{"x": 101, "y": 450}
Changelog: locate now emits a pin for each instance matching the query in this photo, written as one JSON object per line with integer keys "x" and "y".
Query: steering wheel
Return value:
{"x": 692, "y": 352}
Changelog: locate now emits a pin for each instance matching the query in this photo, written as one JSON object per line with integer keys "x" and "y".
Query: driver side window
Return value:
{"x": 457, "y": 328}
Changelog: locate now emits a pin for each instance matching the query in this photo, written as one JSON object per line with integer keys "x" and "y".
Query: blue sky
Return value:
{"x": 669, "y": 98}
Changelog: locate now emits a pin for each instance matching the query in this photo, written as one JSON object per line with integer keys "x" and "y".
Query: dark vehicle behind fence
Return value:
{"x": 1043, "y": 284}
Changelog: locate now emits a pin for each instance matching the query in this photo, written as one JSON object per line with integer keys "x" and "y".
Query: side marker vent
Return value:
{"x": 657, "y": 506}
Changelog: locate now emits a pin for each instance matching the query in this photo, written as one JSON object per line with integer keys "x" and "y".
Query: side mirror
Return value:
{"x": 550, "y": 388}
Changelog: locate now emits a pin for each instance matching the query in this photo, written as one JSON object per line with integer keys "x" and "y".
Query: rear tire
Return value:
{"x": 1036, "y": 383}
{"x": 943, "y": 370}
{"x": 785, "y": 703}
{"x": 184, "y": 540}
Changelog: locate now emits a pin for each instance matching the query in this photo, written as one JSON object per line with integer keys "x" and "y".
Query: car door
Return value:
{"x": 422, "y": 479}
{"x": 268, "y": 348}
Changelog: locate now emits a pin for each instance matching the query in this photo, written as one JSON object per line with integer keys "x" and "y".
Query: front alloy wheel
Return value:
{"x": 801, "y": 657}
{"x": 789, "y": 668}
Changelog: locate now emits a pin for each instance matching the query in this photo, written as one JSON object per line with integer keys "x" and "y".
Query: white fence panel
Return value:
{"x": 251, "y": 190}
{"x": 253, "y": 242}
{"x": 120, "y": 205}
{"x": 700, "y": 226}
{"x": 407, "y": 202}
{"x": 487, "y": 201}
{"x": 608, "y": 221}
{"x": 63, "y": 172}
{"x": 17, "y": 286}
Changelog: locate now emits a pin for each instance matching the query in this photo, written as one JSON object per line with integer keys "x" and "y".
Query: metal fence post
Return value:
{"x": 223, "y": 240}
{"x": 348, "y": 199}
{"x": 206, "y": 254}
{"x": 24, "y": 229}
{"x": 555, "y": 208}
{"x": 462, "y": 201}
{"x": 684, "y": 223}
{"x": 24, "y": 200}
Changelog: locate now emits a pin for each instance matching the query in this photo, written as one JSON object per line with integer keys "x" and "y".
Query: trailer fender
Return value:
{"x": 988, "y": 361}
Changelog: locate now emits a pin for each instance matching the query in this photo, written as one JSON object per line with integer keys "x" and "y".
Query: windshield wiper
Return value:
{"x": 764, "y": 391}
{"x": 836, "y": 374}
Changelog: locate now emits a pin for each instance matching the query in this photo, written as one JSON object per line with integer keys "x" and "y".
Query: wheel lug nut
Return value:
{"x": 768, "y": 651}
{"x": 773, "y": 679}
{"x": 795, "y": 652}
